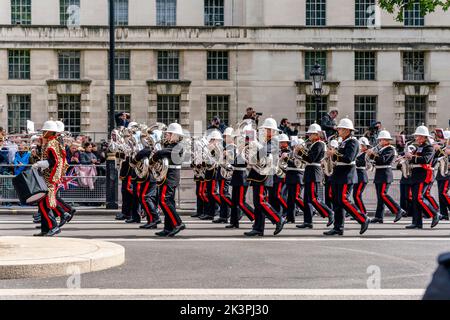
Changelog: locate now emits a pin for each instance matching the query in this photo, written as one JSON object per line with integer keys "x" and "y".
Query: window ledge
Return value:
{"x": 69, "y": 81}
{"x": 309, "y": 82}
{"x": 416, "y": 82}
{"x": 180, "y": 82}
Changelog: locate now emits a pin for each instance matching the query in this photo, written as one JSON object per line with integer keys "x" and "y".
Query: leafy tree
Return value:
{"x": 426, "y": 6}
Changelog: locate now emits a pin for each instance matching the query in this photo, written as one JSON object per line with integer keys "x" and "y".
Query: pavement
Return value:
{"x": 206, "y": 261}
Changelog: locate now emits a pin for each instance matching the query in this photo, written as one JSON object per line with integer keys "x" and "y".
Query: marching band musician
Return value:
{"x": 444, "y": 180}
{"x": 383, "y": 158}
{"x": 211, "y": 176}
{"x": 53, "y": 170}
{"x": 263, "y": 184}
{"x": 173, "y": 151}
{"x": 224, "y": 182}
{"x": 420, "y": 178}
{"x": 363, "y": 179}
{"x": 294, "y": 184}
{"x": 199, "y": 187}
{"x": 313, "y": 178}
{"x": 148, "y": 193}
{"x": 278, "y": 201}
{"x": 239, "y": 182}
{"x": 428, "y": 194}
{"x": 343, "y": 179}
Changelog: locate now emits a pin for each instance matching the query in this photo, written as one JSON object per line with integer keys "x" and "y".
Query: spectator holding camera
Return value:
{"x": 252, "y": 114}
{"x": 286, "y": 128}
{"x": 216, "y": 124}
{"x": 372, "y": 133}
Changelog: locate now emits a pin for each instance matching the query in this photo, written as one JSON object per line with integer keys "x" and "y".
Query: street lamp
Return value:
{"x": 316, "y": 74}
{"x": 111, "y": 172}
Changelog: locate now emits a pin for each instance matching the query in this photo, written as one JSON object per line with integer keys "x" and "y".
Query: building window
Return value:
{"x": 363, "y": 12}
{"x": 122, "y": 65}
{"x": 365, "y": 112}
{"x": 217, "y": 106}
{"x": 69, "y": 12}
{"x": 19, "y": 64}
{"x": 168, "y": 65}
{"x": 412, "y": 15}
{"x": 214, "y": 13}
{"x": 415, "y": 112}
{"x": 310, "y": 114}
{"x": 166, "y": 12}
{"x": 364, "y": 65}
{"x": 69, "y": 65}
{"x": 413, "y": 65}
{"x": 122, "y": 103}
{"x": 20, "y": 11}
{"x": 217, "y": 65}
{"x": 168, "y": 109}
{"x": 121, "y": 12}
{"x": 69, "y": 110}
{"x": 19, "y": 111}
{"x": 316, "y": 12}
{"x": 311, "y": 57}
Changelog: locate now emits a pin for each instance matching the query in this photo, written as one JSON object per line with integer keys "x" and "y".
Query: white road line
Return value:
{"x": 211, "y": 292}
{"x": 273, "y": 239}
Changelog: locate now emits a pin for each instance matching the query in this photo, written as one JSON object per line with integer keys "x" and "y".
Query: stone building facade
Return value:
{"x": 191, "y": 59}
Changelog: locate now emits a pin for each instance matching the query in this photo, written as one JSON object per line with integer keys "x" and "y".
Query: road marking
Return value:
{"x": 270, "y": 239}
{"x": 211, "y": 292}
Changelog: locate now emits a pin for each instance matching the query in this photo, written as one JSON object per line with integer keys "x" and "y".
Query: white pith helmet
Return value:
{"x": 175, "y": 128}
{"x": 314, "y": 128}
{"x": 228, "y": 132}
{"x": 216, "y": 135}
{"x": 384, "y": 134}
{"x": 50, "y": 125}
{"x": 364, "y": 141}
{"x": 283, "y": 138}
{"x": 422, "y": 131}
{"x": 270, "y": 123}
{"x": 60, "y": 126}
{"x": 346, "y": 123}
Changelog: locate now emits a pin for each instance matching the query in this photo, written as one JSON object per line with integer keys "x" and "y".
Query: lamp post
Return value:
{"x": 111, "y": 172}
{"x": 317, "y": 76}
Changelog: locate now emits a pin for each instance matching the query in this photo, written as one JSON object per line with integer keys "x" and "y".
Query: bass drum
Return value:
{"x": 30, "y": 186}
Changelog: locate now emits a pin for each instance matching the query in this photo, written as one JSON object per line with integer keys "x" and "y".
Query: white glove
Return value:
{"x": 41, "y": 164}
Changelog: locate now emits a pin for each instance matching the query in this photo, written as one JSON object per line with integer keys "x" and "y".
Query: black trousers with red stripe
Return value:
{"x": 127, "y": 196}
{"x": 136, "y": 204}
{"x": 212, "y": 191}
{"x": 405, "y": 201}
{"x": 312, "y": 199}
{"x": 148, "y": 198}
{"x": 166, "y": 195}
{"x": 444, "y": 198}
{"x": 383, "y": 198}
{"x": 262, "y": 208}
{"x": 294, "y": 199}
{"x": 277, "y": 198}
{"x": 48, "y": 221}
{"x": 358, "y": 190}
{"x": 420, "y": 204}
{"x": 430, "y": 198}
{"x": 201, "y": 203}
{"x": 328, "y": 194}
{"x": 238, "y": 196}
{"x": 225, "y": 198}
{"x": 341, "y": 200}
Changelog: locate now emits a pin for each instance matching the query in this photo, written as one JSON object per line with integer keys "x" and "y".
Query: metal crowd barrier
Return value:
{"x": 185, "y": 198}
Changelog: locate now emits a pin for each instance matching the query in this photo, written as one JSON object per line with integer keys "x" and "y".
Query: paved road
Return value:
{"x": 298, "y": 263}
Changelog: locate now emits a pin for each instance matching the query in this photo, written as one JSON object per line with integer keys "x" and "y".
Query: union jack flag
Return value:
{"x": 70, "y": 180}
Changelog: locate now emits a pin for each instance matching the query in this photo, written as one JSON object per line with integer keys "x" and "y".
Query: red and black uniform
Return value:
{"x": 428, "y": 195}
{"x": 294, "y": 184}
{"x": 224, "y": 193}
{"x": 167, "y": 188}
{"x": 313, "y": 179}
{"x": 278, "y": 200}
{"x": 212, "y": 193}
{"x": 55, "y": 155}
{"x": 126, "y": 178}
{"x": 342, "y": 181}
{"x": 443, "y": 189}
{"x": 263, "y": 185}
{"x": 383, "y": 179}
{"x": 421, "y": 177}
{"x": 200, "y": 192}
{"x": 148, "y": 192}
{"x": 360, "y": 186}
{"x": 239, "y": 186}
